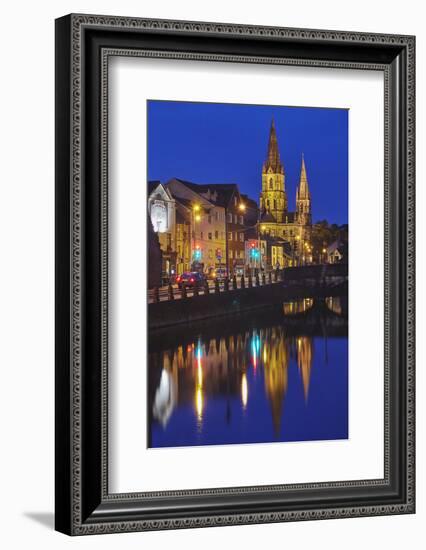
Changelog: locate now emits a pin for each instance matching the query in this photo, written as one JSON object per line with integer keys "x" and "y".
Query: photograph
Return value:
{"x": 234, "y": 275}
{"x": 248, "y": 254}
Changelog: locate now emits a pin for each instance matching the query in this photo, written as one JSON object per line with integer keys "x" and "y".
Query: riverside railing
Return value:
{"x": 172, "y": 292}
{"x": 319, "y": 274}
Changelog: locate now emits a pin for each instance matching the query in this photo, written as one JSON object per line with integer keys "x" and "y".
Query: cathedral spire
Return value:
{"x": 303, "y": 187}
{"x": 273, "y": 158}
{"x": 303, "y": 197}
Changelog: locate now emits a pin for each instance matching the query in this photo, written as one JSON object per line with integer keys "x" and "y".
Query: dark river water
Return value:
{"x": 277, "y": 376}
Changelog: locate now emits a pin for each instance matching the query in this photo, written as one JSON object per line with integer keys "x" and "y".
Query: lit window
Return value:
{"x": 230, "y": 235}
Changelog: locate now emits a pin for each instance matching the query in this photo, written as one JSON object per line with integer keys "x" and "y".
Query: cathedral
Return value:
{"x": 275, "y": 218}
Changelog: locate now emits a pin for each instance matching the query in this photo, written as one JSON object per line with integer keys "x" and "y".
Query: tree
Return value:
{"x": 324, "y": 234}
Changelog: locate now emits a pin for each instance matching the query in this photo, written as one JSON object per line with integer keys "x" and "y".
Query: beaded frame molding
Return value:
{"x": 84, "y": 44}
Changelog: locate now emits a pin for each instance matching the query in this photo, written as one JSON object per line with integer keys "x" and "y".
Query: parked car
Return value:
{"x": 190, "y": 278}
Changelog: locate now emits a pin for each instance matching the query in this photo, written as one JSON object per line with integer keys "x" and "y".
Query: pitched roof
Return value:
{"x": 336, "y": 245}
{"x": 152, "y": 185}
{"x": 267, "y": 217}
{"x": 224, "y": 191}
{"x": 250, "y": 203}
{"x": 184, "y": 202}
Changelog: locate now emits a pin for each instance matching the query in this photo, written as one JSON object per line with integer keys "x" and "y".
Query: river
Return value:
{"x": 277, "y": 376}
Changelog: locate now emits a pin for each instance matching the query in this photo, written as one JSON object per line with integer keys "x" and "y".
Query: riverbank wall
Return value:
{"x": 233, "y": 303}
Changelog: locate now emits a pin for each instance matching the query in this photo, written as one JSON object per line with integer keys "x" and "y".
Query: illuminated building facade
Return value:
{"x": 276, "y": 220}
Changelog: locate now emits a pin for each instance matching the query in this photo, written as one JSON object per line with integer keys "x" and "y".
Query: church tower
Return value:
{"x": 273, "y": 198}
{"x": 303, "y": 198}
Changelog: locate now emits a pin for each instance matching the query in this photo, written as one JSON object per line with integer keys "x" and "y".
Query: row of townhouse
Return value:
{"x": 202, "y": 225}
{"x": 211, "y": 226}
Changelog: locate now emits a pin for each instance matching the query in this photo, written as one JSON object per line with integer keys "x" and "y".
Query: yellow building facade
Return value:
{"x": 275, "y": 219}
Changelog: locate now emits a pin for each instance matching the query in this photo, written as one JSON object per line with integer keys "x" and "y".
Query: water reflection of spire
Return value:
{"x": 305, "y": 354}
{"x": 276, "y": 349}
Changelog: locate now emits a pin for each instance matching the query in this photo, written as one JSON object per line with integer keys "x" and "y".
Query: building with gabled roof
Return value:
{"x": 225, "y": 219}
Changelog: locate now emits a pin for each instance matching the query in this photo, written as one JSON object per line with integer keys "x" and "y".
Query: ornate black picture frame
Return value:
{"x": 83, "y": 45}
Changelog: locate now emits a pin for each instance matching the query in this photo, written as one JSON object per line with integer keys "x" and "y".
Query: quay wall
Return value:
{"x": 234, "y": 302}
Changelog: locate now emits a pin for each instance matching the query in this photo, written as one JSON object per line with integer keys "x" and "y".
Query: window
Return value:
{"x": 210, "y": 254}
{"x": 216, "y": 234}
{"x": 230, "y": 218}
{"x": 242, "y": 237}
{"x": 235, "y": 201}
{"x": 230, "y": 254}
{"x": 230, "y": 235}
{"x": 275, "y": 204}
{"x": 271, "y": 183}
{"x": 242, "y": 220}
{"x": 202, "y": 235}
{"x": 216, "y": 216}
{"x": 210, "y": 219}
{"x": 210, "y": 236}
{"x": 235, "y": 218}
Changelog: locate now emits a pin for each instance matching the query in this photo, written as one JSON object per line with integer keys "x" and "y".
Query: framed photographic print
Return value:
{"x": 234, "y": 274}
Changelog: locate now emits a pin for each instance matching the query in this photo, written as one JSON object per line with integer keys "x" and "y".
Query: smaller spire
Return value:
{"x": 303, "y": 187}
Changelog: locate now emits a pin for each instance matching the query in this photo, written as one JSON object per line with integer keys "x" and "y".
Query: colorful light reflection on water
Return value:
{"x": 264, "y": 383}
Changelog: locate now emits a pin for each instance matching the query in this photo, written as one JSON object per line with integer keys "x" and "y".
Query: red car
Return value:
{"x": 190, "y": 278}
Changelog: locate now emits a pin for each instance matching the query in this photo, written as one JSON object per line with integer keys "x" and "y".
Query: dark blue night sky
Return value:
{"x": 227, "y": 143}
